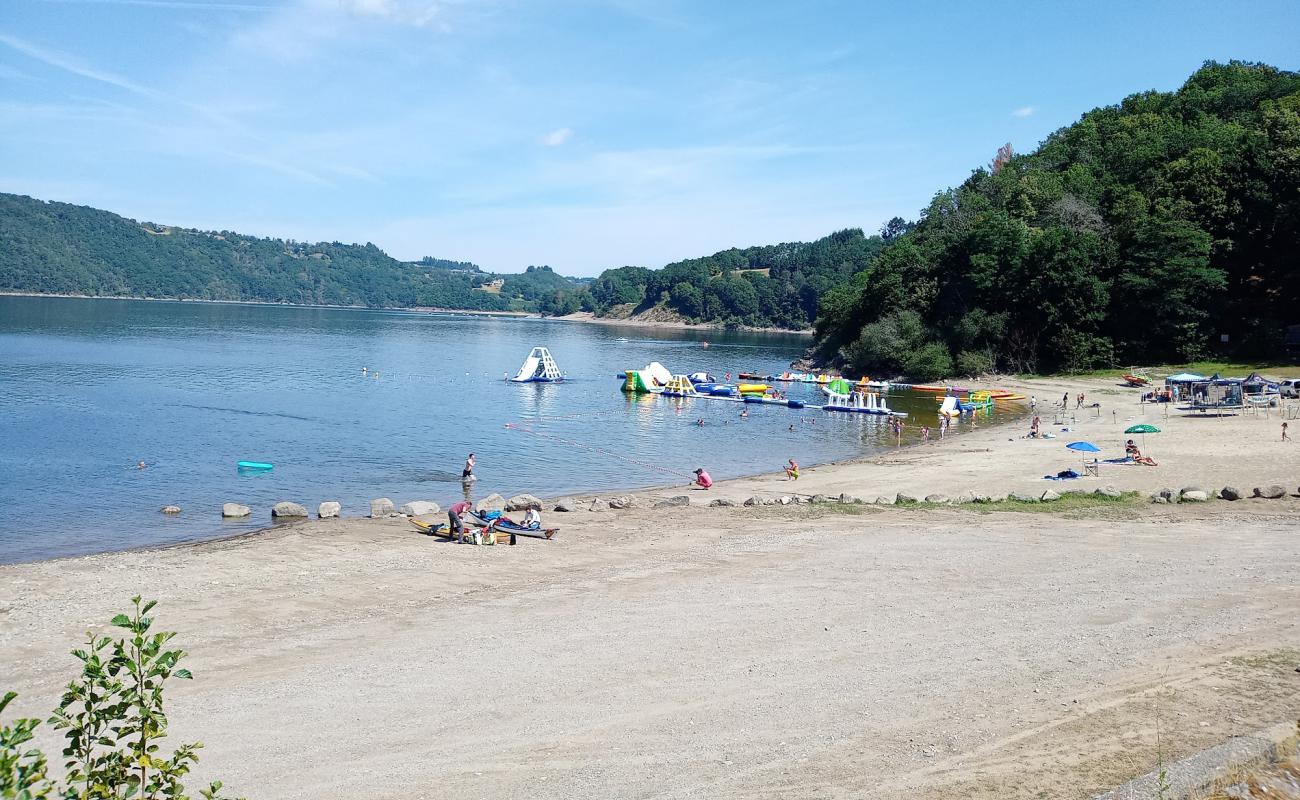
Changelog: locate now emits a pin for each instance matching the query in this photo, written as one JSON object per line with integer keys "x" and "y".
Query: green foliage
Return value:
{"x": 113, "y": 718}
{"x": 1138, "y": 234}
{"x": 56, "y": 248}
{"x": 773, "y": 286}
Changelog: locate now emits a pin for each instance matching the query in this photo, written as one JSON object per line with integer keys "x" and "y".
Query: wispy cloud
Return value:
{"x": 197, "y": 5}
{"x": 557, "y": 137}
{"x": 1023, "y": 111}
{"x": 69, "y": 63}
{"x": 407, "y": 12}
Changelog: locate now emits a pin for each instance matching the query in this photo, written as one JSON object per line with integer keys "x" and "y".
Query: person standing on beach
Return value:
{"x": 1033, "y": 402}
{"x": 1065, "y": 400}
{"x": 1286, "y": 437}
{"x": 456, "y": 524}
{"x": 925, "y": 433}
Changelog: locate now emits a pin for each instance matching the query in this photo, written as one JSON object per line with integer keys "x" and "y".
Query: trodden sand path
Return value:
{"x": 769, "y": 652}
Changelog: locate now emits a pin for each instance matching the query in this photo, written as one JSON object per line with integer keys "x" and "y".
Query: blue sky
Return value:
{"x": 574, "y": 133}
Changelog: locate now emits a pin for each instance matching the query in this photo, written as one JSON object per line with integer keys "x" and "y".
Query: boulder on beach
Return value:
{"x": 903, "y": 497}
{"x": 328, "y": 509}
{"x": 598, "y": 505}
{"x": 886, "y": 500}
{"x": 1021, "y": 497}
{"x": 1183, "y": 491}
{"x": 1159, "y": 499}
{"x": 523, "y": 502}
{"x": 1108, "y": 491}
{"x": 1273, "y": 492}
{"x": 1194, "y": 496}
{"x": 754, "y": 501}
{"x": 170, "y": 510}
{"x": 235, "y": 510}
{"x": 622, "y": 502}
{"x": 937, "y": 499}
{"x": 1049, "y": 496}
{"x": 1230, "y": 493}
{"x": 785, "y": 500}
{"x": 964, "y": 498}
{"x": 493, "y": 502}
{"x": 381, "y": 507}
{"x": 721, "y": 502}
{"x": 417, "y": 508}
{"x": 678, "y": 501}
{"x": 847, "y": 498}
{"x": 565, "y": 504}
{"x": 286, "y": 510}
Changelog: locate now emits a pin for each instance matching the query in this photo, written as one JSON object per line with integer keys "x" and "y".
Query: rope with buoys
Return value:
{"x": 645, "y": 464}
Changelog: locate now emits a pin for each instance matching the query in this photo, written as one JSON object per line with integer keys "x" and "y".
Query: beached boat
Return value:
{"x": 501, "y": 524}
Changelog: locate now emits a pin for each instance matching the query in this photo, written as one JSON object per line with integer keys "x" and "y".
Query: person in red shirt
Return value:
{"x": 702, "y": 479}
{"x": 453, "y": 518}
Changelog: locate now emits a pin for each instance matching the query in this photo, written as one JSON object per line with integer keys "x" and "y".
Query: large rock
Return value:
{"x": 980, "y": 497}
{"x": 493, "y": 502}
{"x": 819, "y": 498}
{"x": 288, "y": 510}
{"x": 170, "y": 509}
{"x": 964, "y": 498}
{"x": 1194, "y": 496}
{"x": 847, "y": 498}
{"x": 328, "y": 509}
{"x": 418, "y": 508}
{"x": 1049, "y": 496}
{"x": 903, "y": 497}
{"x": 1021, "y": 497}
{"x": 998, "y": 497}
{"x": 721, "y": 502}
{"x": 1109, "y": 491}
{"x": 754, "y": 501}
{"x": 598, "y": 505}
{"x": 678, "y": 501}
{"x": 381, "y": 507}
{"x": 1230, "y": 493}
{"x": 565, "y": 504}
{"x": 622, "y": 502}
{"x": 1159, "y": 499}
{"x": 1187, "y": 489}
{"x": 523, "y": 502}
{"x": 1273, "y": 492}
{"x": 235, "y": 510}
{"x": 938, "y": 499}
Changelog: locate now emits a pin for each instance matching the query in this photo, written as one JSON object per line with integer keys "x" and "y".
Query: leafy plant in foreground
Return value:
{"x": 113, "y": 718}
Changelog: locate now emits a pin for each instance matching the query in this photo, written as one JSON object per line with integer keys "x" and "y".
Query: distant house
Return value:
{"x": 492, "y": 286}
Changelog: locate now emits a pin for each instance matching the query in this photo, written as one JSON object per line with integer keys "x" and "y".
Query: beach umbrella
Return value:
{"x": 1083, "y": 447}
{"x": 1143, "y": 429}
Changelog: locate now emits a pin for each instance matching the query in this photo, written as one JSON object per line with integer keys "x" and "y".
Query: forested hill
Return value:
{"x": 57, "y": 248}
{"x": 1143, "y": 233}
{"x": 772, "y": 286}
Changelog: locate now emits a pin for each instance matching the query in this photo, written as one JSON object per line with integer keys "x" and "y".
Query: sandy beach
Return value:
{"x": 770, "y": 651}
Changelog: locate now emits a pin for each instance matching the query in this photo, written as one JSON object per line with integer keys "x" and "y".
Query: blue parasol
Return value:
{"x": 1084, "y": 447}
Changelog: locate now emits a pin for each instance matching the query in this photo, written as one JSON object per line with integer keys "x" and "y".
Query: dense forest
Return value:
{"x": 58, "y": 248}
{"x": 772, "y": 286}
{"x": 1144, "y": 233}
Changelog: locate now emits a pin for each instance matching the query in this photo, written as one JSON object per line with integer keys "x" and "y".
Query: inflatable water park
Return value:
{"x": 841, "y": 395}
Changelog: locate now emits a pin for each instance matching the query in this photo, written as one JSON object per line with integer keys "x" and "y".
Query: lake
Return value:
{"x": 88, "y": 388}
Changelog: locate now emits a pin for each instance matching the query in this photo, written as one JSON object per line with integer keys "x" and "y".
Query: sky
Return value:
{"x": 583, "y": 134}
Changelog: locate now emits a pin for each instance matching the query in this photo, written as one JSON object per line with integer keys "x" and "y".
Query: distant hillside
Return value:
{"x": 57, "y": 248}
{"x": 778, "y": 285}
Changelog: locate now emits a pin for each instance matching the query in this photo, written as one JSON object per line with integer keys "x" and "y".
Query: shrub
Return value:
{"x": 113, "y": 718}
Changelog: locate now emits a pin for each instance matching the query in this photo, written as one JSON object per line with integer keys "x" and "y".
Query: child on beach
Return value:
{"x": 1286, "y": 437}
{"x": 925, "y": 433}
{"x": 467, "y": 474}
{"x": 792, "y": 470}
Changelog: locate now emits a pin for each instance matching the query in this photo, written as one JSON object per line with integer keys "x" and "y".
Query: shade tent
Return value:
{"x": 1184, "y": 377}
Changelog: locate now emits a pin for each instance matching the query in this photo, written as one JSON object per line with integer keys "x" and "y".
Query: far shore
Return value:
{"x": 778, "y": 650}
{"x": 580, "y": 316}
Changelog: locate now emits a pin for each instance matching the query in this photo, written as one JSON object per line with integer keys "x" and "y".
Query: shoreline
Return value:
{"x": 580, "y": 316}
{"x": 970, "y": 458}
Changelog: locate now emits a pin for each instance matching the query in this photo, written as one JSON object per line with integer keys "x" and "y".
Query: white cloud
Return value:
{"x": 407, "y": 12}
{"x": 557, "y": 137}
{"x": 1023, "y": 111}
{"x": 71, "y": 64}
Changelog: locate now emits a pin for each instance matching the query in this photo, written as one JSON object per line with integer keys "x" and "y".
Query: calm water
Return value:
{"x": 88, "y": 388}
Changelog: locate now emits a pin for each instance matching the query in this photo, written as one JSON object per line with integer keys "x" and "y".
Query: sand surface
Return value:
{"x": 777, "y": 651}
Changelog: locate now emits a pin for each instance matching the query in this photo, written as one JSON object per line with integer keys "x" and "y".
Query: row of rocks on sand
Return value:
{"x": 384, "y": 507}
{"x": 379, "y": 507}
{"x": 1195, "y": 494}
